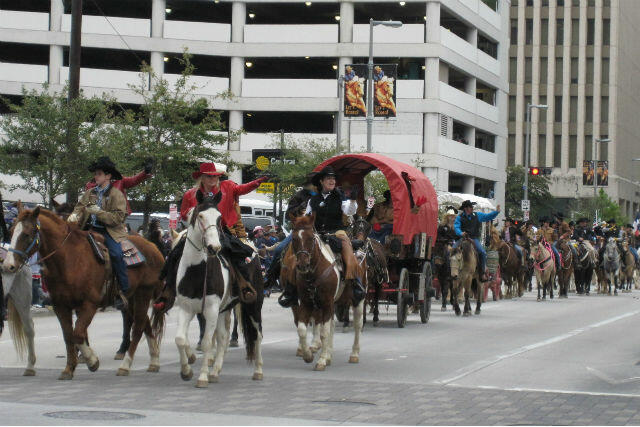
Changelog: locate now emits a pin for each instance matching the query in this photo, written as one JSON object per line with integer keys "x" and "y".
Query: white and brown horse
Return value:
{"x": 465, "y": 275}
{"x": 545, "y": 268}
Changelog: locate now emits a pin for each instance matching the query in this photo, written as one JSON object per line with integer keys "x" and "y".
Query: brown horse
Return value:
{"x": 626, "y": 271}
{"x": 566, "y": 269}
{"x": 76, "y": 281}
{"x": 464, "y": 271}
{"x": 311, "y": 266}
{"x": 510, "y": 265}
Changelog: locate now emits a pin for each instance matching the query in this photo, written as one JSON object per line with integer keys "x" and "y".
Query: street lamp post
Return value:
{"x": 527, "y": 148}
{"x": 373, "y": 23}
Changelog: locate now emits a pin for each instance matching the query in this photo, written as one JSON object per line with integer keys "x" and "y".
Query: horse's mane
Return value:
{"x": 304, "y": 222}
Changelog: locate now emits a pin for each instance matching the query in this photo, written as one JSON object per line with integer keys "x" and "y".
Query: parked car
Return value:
{"x": 136, "y": 219}
{"x": 251, "y": 221}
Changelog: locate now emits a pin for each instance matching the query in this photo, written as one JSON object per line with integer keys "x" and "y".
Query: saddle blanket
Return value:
{"x": 132, "y": 255}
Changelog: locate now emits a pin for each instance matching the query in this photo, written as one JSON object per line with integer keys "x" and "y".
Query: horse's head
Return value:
{"x": 207, "y": 220}
{"x": 303, "y": 242}
{"x": 611, "y": 250}
{"x": 360, "y": 229}
{"x": 495, "y": 238}
{"x": 63, "y": 210}
{"x": 25, "y": 239}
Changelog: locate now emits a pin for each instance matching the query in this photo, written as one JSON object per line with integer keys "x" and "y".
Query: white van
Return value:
{"x": 257, "y": 207}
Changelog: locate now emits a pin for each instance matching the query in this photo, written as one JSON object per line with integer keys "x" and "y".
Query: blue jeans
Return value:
{"x": 634, "y": 252}
{"x": 117, "y": 261}
{"x": 556, "y": 253}
{"x": 385, "y": 231}
{"x": 518, "y": 248}
{"x": 282, "y": 246}
{"x": 481, "y": 252}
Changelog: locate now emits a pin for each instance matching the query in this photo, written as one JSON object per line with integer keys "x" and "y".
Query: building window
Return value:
{"x": 488, "y": 46}
{"x": 605, "y": 70}
{"x": 559, "y": 72}
{"x": 544, "y": 62}
{"x": 574, "y": 70}
{"x": 527, "y": 70}
{"x": 575, "y": 32}
{"x": 603, "y": 150}
{"x": 285, "y": 14}
{"x": 514, "y": 31}
{"x": 604, "y": 109}
{"x": 560, "y": 31}
{"x": 25, "y": 5}
{"x": 573, "y": 149}
{"x": 588, "y": 114}
{"x": 290, "y": 121}
{"x": 485, "y": 93}
{"x": 557, "y": 151}
{"x": 511, "y": 150}
{"x": 591, "y": 30}
{"x": 513, "y": 70}
{"x": 112, "y": 59}
{"x": 527, "y": 101}
{"x": 512, "y": 108}
{"x": 24, "y": 53}
{"x": 544, "y": 32}
{"x": 589, "y": 70}
{"x": 588, "y": 147}
{"x": 485, "y": 141}
{"x": 573, "y": 110}
{"x": 558, "y": 109}
{"x": 606, "y": 30}
{"x": 542, "y": 150}
{"x": 529, "y": 31}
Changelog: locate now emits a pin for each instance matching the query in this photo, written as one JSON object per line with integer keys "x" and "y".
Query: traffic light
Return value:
{"x": 534, "y": 171}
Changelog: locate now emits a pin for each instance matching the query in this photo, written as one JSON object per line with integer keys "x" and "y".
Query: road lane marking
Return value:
{"x": 482, "y": 364}
{"x": 543, "y": 390}
{"x": 609, "y": 379}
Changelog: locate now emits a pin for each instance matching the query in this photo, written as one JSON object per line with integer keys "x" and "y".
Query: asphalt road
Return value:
{"x": 569, "y": 361}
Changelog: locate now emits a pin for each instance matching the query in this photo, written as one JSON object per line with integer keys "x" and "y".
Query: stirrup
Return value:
{"x": 287, "y": 301}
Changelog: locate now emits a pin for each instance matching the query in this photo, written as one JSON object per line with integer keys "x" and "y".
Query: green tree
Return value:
{"x": 175, "y": 128}
{"x": 36, "y": 140}
{"x": 606, "y": 207}
{"x": 541, "y": 198}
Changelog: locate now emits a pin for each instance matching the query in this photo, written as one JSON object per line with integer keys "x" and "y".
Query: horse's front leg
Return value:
{"x": 443, "y": 291}
{"x": 467, "y": 297}
{"x": 357, "y": 329}
{"x": 316, "y": 342}
{"x": 80, "y": 337}
{"x": 454, "y": 300}
{"x": 182, "y": 342}
{"x": 480, "y": 296}
{"x": 325, "y": 335}
{"x": 66, "y": 323}
{"x": 307, "y": 355}
{"x": 212, "y": 323}
{"x": 29, "y": 331}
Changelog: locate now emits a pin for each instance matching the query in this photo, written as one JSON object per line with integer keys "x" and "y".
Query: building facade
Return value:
{"x": 579, "y": 57}
{"x": 281, "y": 61}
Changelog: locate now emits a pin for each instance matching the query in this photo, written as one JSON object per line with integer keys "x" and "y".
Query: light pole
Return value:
{"x": 340, "y": 113}
{"x": 527, "y": 149}
{"x": 595, "y": 173}
{"x": 373, "y": 23}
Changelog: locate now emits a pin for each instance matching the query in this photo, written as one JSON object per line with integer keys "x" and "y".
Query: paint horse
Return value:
{"x": 205, "y": 284}
{"x": 545, "y": 268}
{"x": 465, "y": 275}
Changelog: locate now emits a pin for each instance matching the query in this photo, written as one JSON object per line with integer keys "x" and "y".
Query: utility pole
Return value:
{"x": 75, "y": 48}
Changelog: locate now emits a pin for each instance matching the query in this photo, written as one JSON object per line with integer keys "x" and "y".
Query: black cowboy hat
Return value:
{"x": 543, "y": 220}
{"x": 629, "y": 226}
{"x": 571, "y": 223}
{"x": 107, "y": 166}
{"x": 325, "y": 172}
{"x": 583, "y": 219}
{"x": 611, "y": 221}
{"x": 508, "y": 219}
{"x": 467, "y": 204}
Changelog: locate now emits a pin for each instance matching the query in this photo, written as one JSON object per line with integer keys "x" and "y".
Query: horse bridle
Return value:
{"x": 203, "y": 232}
{"x": 537, "y": 264}
{"x": 307, "y": 253}
{"x": 35, "y": 243}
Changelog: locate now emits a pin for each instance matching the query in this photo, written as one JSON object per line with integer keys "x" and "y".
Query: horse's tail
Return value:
{"x": 157, "y": 323}
{"x": 251, "y": 325}
{"x": 16, "y": 329}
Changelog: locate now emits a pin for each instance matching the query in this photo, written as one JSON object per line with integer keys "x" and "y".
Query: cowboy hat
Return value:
{"x": 107, "y": 166}
{"x": 508, "y": 219}
{"x": 211, "y": 169}
{"x": 467, "y": 204}
{"x": 450, "y": 210}
{"x": 325, "y": 172}
{"x": 612, "y": 221}
{"x": 583, "y": 219}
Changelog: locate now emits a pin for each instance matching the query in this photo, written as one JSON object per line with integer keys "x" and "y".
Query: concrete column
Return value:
{"x": 582, "y": 82}
{"x": 439, "y": 177}
{"x": 472, "y": 36}
{"x": 432, "y": 78}
{"x": 157, "y": 63}
{"x": 157, "y": 18}
{"x": 346, "y": 22}
{"x": 468, "y": 185}
{"x": 344, "y": 138}
{"x": 597, "y": 71}
{"x": 432, "y": 23}
{"x": 613, "y": 84}
{"x": 520, "y": 104}
{"x": 431, "y": 133}
{"x": 238, "y": 21}
{"x": 55, "y": 16}
{"x": 551, "y": 79}
{"x": 566, "y": 88}
{"x": 470, "y": 86}
{"x": 535, "y": 83}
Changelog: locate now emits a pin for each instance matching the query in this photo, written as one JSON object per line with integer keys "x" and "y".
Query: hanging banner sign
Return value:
{"x": 355, "y": 91}
{"x": 173, "y": 216}
{"x": 588, "y": 172}
{"x": 603, "y": 173}
{"x": 384, "y": 90}
{"x": 266, "y": 187}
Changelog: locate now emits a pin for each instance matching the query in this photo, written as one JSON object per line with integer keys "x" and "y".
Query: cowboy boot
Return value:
{"x": 289, "y": 297}
{"x": 358, "y": 292}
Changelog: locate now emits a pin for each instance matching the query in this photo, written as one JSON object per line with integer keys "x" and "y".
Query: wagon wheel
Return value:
{"x": 403, "y": 283}
{"x": 425, "y": 306}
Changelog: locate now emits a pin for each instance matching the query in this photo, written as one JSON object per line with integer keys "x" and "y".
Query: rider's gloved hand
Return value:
{"x": 148, "y": 165}
{"x": 93, "y": 209}
{"x": 73, "y": 219}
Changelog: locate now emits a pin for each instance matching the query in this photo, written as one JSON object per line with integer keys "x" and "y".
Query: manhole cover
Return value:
{"x": 343, "y": 402}
{"x": 93, "y": 415}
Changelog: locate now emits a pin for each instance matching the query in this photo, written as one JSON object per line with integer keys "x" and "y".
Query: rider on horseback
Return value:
{"x": 381, "y": 218}
{"x": 467, "y": 225}
{"x": 584, "y": 234}
{"x": 103, "y": 210}
{"x": 549, "y": 235}
{"x": 509, "y": 233}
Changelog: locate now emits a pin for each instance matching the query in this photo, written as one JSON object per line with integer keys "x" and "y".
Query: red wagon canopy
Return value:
{"x": 409, "y": 187}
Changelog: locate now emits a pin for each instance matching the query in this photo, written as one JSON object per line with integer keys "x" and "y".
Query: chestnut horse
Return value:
{"x": 310, "y": 265}
{"x": 511, "y": 268}
{"x": 76, "y": 281}
{"x": 464, "y": 271}
{"x": 626, "y": 271}
{"x": 566, "y": 269}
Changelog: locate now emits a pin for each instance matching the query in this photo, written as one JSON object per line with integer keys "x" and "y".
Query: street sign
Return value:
{"x": 525, "y": 215}
{"x": 266, "y": 187}
{"x": 525, "y": 205}
{"x": 173, "y": 216}
{"x": 370, "y": 202}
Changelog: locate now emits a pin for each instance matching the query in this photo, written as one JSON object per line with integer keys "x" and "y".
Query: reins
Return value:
{"x": 36, "y": 242}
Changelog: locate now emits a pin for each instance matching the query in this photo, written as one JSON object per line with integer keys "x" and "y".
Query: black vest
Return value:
{"x": 328, "y": 212}
{"x": 470, "y": 225}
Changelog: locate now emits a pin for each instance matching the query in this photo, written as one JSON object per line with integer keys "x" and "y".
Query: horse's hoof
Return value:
{"x": 65, "y": 376}
{"x": 458, "y": 313}
{"x": 187, "y": 376}
{"x": 345, "y": 330}
{"x": 308, "y": 358}
{"x": 233, "y": 343}
{"x": 192, "y": 359}
{"x": 466, "y": 314}
{"x": 376, "y": 323}
{"x": 214, "y": 378}
{"x": 443, "y": 309}
{"x": 118, "y": 356}
{"x": 257, "y": 376}
{"x": 122, "y": 372}
{"x": 354, "y": 359}
{"x": 299, "y": 352}
{"x": 328, "y": 362}
{"x": 95, "y": 366}
{"x": 153, "y": 368}
{"x": 319, "y": 367}
{"x": 29, "y": 373}
{"x": 202, "y": 384}
{"x": 615, "y": 293}
{"x": 477, "y": 311}
{"x": 199, "y": 347}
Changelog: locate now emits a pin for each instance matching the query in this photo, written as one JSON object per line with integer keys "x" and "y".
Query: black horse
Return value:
{"x": 583, "y": 269}
{"x": 442, "y": 271}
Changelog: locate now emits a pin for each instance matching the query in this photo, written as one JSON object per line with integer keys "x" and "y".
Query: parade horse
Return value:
{"x": 208, "y": 284}
{"x": 17, "y": 292}
{"x": 583, "y": 268}
{"x": 611, "y": 265}
{"x": 77, "y": 281}
{"x": 465, "y": 275}
{"x": 566, "y": 267}
{"x": 312, "y": 268}
{"x": 442, "y": 271}
{"x": 626, "y": 272}
{"x": 545, "y": 268}
{"x": 599, "y": 267}
{"x": 376, "y": 267}
{"x": 510, "y": 264}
